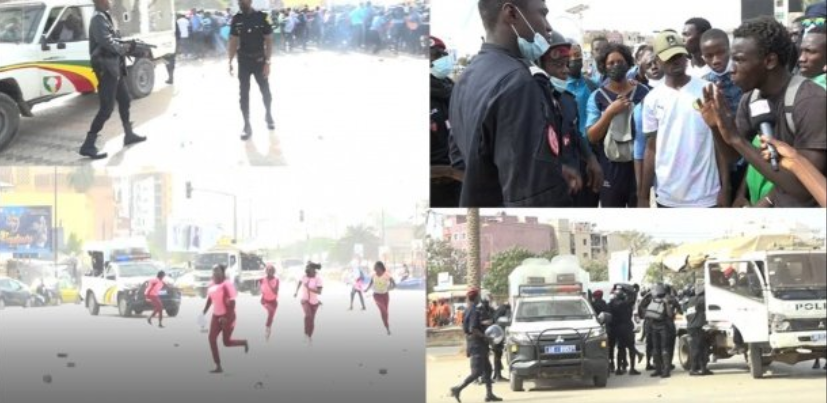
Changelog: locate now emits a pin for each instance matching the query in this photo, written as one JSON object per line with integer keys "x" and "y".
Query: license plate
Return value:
{"x": 561, "y": 349}
{"x": 162, "y": 292}
{"x": 818, "y": 336}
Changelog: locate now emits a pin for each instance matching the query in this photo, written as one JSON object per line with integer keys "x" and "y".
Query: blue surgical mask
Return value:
{"x": 559, "y": 84}
{"x": 531, "y": 50}
{"x": 442, "y": 67}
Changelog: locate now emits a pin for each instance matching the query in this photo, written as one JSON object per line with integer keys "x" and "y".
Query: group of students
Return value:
{"x": 221, "y": 296}
{"x": 524, "y": 125}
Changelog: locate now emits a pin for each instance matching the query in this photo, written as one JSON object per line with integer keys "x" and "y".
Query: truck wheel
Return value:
{"x": 755, "y": 365}
{"x": 202, "y": 292}
{"x": 516, "y": 383}
{"x": 141, "y": 78}
{"x": 600, "y": 380}
{"x": 123, "y": 307}
{"x": 9, "y": 119}
{"x": 28, "y": 303}
{"x": 255, "y": 291}
{"x": 683, "y": 351}
{"x": 766, "y": 361}
{"x": 92, "y": 304}
{"x": 172, "y": 311}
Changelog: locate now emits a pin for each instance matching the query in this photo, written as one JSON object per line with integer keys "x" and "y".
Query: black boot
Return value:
{"x": 455, "y": 391}
{"x": 667, "y": 369}
{"x": 130, "y": 137}
{"x": 247, "y": 132}
{"x": 271, "y": 124}
{"x": 88, "y": 149}
{"x": 489, "y": 394}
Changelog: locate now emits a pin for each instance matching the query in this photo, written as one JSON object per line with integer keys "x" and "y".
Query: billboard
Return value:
{"x": 619, "y": 267}
{"x": 26, "y": 229}
{"x": 186, "y": 236}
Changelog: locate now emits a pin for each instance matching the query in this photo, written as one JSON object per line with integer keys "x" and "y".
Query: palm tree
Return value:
{"x": 636, "y": 240}
{"x": 473, "y": 226}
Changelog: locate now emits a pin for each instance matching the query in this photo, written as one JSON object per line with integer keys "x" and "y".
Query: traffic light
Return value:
{"x": 189, "y": 190}
{"x": 301, "y": 215}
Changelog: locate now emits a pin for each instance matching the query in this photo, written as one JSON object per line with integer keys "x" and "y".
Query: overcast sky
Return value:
{"x": 674, "y": 225}
{"x": 458, "y": 22}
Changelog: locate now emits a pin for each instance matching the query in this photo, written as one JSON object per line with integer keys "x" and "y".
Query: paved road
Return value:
{"x": 731, "y": 383}
{"x": 197, "y": 121}
{"x": 125, "y": 360}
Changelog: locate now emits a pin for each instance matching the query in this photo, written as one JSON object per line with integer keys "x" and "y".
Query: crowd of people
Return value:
{"x": 355, "y": 27}
{"x": 697, "y": 118}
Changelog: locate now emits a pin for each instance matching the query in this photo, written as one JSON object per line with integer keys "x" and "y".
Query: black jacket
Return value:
{"x": 696, "y": 312}
{"x": 106, "y": 53}
{"x": 440, "y": 132}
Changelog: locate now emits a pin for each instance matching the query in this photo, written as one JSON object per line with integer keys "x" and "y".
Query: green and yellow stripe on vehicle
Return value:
{"x": 109, "y": 295}
{"x": 78, "y": 72}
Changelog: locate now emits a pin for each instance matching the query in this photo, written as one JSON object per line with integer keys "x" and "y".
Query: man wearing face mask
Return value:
{"x": 502, "y": 118}
{"x": 446, "y": 185}
{"x": 575, "y": 150}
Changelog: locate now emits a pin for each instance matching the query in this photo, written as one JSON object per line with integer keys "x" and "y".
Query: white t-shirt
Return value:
{"x": 184, "y": 27}
{"x": 685, "y": 166}
{"x": 698, "y": 72}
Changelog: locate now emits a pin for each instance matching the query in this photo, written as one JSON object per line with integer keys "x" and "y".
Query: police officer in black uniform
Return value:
{"x": 446, "y": 179}
{"x": 108, "y": 57}
{"x": 645, "y": 299}
{"x": 503, "y": 311}
{"x": 695, "y": 321}
{"x": 673, "y": 330}
{"x": 660, "y": 311}
{"x": 478, "y": 319}
{"x": 251, "y": 37}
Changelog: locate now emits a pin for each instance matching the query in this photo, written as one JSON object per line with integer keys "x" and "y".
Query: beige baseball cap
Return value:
{"x": 669, "y": 44}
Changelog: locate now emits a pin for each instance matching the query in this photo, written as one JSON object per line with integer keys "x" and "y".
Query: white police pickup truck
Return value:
{"x": 122, "y": 283}
{"x": 44, "y": 51}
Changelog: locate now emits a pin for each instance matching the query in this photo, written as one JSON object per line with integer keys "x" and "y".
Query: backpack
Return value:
{"x": 656, "y": 310}
{"x": 789, "y": 100}
{"x": 619, "y": 142}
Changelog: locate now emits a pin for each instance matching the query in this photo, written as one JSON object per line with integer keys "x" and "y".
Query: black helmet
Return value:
{"x": 659, "y": 290}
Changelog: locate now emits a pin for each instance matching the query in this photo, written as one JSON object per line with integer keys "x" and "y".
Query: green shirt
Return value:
{"x": 757, "y": 185}
{"x": 821, "y": 80}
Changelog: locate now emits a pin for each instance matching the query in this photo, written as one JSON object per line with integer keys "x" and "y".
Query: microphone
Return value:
{"x": 762, "y": 117}
{"x": 766, "y": 129}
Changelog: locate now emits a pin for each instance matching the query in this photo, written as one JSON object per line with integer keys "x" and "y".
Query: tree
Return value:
{"x": 662, "y": 246}
{"x": 636, "y": 240}
{"x": 502, "y": 264}
{"x": 442, "y": 257}
{"x": 355, "y": 235}
{"x": 73, "y": 244}
{"x": 473, "y": 229}
{"x": 82, "y": 178}
{"x": 598, "y": 270}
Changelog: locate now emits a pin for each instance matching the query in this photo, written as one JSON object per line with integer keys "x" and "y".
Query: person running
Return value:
{"x": 357, "y": 286}
{"x": 221, "y": 296}
{"x": 382, "y": 284}
{"x": 614, "y": 110}
{"x": 151, "y": 293}
{"x": 310, "y": 286}
{"x": 269, "y": 297}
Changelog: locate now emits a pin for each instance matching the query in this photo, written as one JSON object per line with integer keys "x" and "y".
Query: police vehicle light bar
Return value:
{"x": 551, "y": 289}
{"x": 131, "y": 257}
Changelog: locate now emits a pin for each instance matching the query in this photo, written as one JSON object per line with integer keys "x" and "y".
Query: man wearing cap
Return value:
{"x": 446, "y": 181}
{"x": 499, "y": 115}
{"x": 575, "y": 150}
{"x": 474, "y": 325}
{"x": 680, "y": 151}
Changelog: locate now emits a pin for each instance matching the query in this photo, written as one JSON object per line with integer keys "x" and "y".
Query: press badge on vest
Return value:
{"x": 552, "y": 141}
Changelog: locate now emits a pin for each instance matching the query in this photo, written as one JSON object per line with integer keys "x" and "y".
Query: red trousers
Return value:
{"x": 382, "y": 301}
{"x": 227, "y": 330}
{"x": 270, "y": 306}
{"x": 157, "y": 306}
{"x": 309, "y": 317}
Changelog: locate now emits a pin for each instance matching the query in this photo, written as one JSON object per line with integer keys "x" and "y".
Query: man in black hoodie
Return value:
{"x": 446, "y": 184}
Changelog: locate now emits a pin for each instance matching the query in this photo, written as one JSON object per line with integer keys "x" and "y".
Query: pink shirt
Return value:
{"x": 154, "y": 286}
{"x": 216, "y": 293}
{"x": 312, "y": 283}
{"x": 267, "y": 286}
